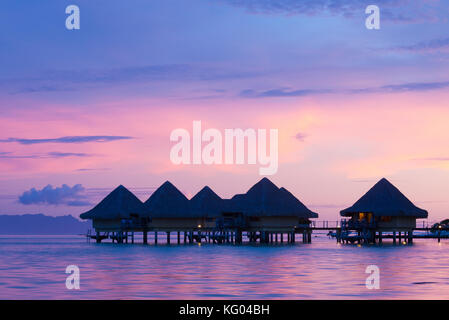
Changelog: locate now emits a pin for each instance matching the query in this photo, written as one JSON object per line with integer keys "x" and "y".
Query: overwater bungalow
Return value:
{"x": 264, "y": 213}
{"x": 169, "y": 210}
{"x": 207, "y": 206}
{"x": 383, "y": 209}
{"x": 271, "y": 211}
{"x": 118, "y": 212}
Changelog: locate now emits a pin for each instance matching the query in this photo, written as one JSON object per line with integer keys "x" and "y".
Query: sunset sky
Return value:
{"x": 94, "y": 108}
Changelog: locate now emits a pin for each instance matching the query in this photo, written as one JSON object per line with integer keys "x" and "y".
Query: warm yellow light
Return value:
{"x": 199, "y": 226}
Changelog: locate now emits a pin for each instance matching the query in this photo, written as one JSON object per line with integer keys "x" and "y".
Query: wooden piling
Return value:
{"x": 145, "y": 237}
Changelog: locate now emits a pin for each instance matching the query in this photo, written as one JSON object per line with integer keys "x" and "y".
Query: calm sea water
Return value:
{"x": 33, "y": 267}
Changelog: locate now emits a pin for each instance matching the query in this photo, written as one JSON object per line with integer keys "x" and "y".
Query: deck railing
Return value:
{"x": 325, "y": 224}
{"x": 356, "y": 224}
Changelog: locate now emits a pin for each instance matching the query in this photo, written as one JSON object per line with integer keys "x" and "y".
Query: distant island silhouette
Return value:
{"x": 40, "y": 224}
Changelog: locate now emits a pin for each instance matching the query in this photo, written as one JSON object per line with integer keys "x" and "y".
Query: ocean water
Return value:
{"x": 33, "y": 267}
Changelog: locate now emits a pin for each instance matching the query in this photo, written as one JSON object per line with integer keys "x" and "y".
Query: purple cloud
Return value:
{"x": 68, "y": 139}
{"x": 300, "y": 136}
{"x": 392, "y": 88}
{"x": 64, "y": 195}
{"x": 424, "y": 46}
{"x": 397, "y": 11}
{"x": 49, "y": 155}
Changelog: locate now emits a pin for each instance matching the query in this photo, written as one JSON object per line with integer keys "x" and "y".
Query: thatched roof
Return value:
{"x": 384, "y": 199}
{"x": 119, "y": 204}
{"x": 167, "y": 202}
{"x": 206, "y": 203}
{"x": 266, "y": 199}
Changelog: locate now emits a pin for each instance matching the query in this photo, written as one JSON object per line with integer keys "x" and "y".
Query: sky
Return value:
{"x": 83, "y": 111}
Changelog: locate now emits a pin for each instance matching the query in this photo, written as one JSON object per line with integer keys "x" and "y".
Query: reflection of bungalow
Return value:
{"x": 120, "y": 211}
{"x": 272, "y": 210}
{"x": 383, "y": 209}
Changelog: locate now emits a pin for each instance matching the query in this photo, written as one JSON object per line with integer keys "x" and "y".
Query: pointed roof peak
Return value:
{"x": 167, "y": 189}
{"x": 207, "y": 191}
{"x": 384, "y": 199}
{"x": 265, "y": 180}
{"x": 167, "y": 183}
{"x": 121, "y": 189}
{"x": 263, "y": 185}
{"x": 166, "y": 201}
{"x": 206, "y": 203}
{"x": 266, "y": 199}
{"x": 383, "y": 181}
{"x": 120, "y": 203}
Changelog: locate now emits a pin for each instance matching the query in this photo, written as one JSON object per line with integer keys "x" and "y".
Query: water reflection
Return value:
{"x": 34, "y": 268}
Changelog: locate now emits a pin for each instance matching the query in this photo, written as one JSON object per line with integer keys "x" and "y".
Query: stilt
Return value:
{"x": 155, "y": 237}
{"x": 293, "y": 236}
{"x": 168, "y": 237}
{"x": 238, "y": 236}
{"x": 145, "y": 237}
{"x": 179, "y": 237}
{"x": 394, "y": 237}
{"x": 410, "y": 237}
{"x": 309, "y": 236}
{"x": 380, "y": 237}
{"x": 282, "y": 237}
{"x": 132, "y": 238}
{"x": 185, "y": 236}
{"x": 400, "y": 233}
